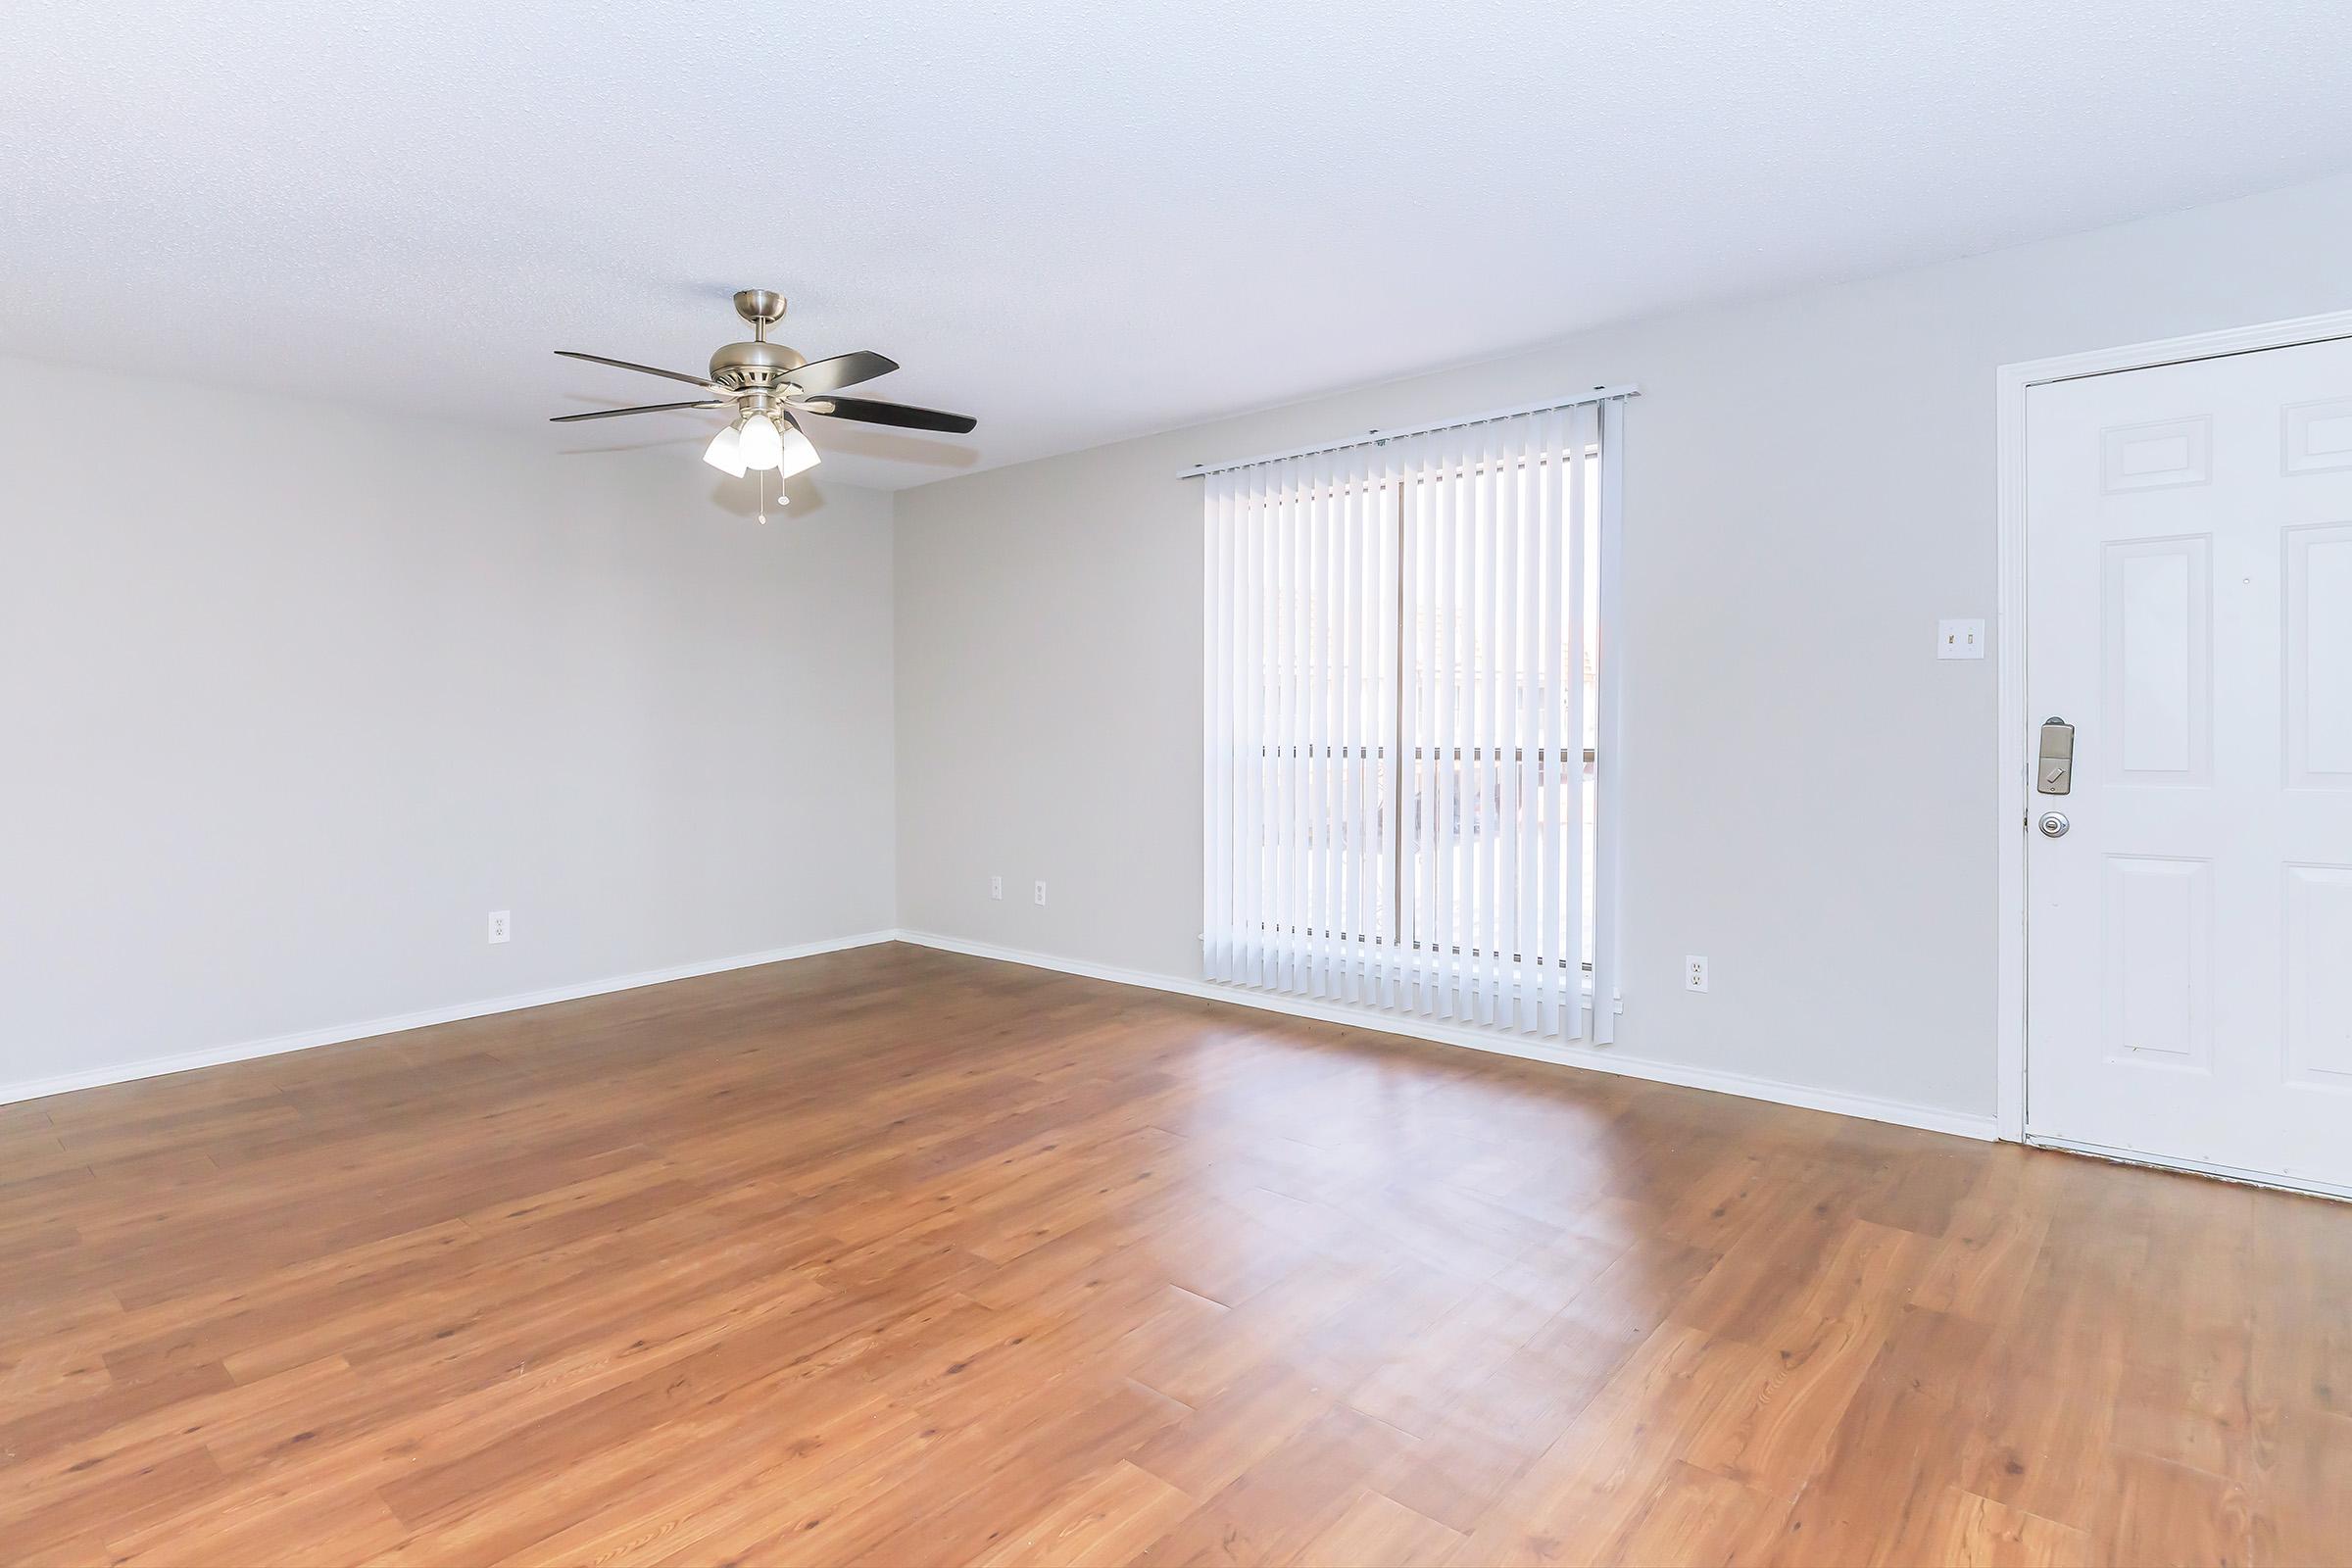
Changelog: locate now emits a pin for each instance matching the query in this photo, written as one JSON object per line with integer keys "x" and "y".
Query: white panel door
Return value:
{"x": 2189, "y": 610}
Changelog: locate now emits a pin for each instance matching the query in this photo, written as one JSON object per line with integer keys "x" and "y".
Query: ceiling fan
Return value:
{"x": 768, "y": 386}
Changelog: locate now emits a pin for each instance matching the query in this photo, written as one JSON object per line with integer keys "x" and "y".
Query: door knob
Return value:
{"x": 2054, "y": 824}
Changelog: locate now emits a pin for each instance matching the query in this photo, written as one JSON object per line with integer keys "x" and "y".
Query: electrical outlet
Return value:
{"x": 1695, "y": 972}
{"x": 1041, "y": 895}
{"x": 996, "y": 887}
{"x": 501, "y": 925}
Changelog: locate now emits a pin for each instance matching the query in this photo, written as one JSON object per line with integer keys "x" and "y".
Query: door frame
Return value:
{"x": 2013, "y": 381}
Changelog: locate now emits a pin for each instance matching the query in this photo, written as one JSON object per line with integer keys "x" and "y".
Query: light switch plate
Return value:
{"x": 1959, "y": 639}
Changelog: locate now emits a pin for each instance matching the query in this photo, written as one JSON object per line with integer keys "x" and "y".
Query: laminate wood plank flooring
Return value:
{"x": 894, "y": 1256}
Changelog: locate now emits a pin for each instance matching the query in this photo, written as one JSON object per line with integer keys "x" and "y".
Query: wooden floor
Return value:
{"x": 899, "y": 1258}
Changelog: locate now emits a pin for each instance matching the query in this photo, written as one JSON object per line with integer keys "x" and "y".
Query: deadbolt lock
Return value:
{"x": 2055, "y": 767}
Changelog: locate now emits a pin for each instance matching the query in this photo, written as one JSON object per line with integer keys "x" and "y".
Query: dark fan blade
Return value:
{"x": 623, "y": 365}
{"x": 842, "y": 369}
{"x": 870, "y": 411}
{"x": 649, "y": 408}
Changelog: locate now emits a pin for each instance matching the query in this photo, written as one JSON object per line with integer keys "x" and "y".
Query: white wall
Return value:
{"x": 291, "y": 701}
{"x": 1809, "y": 487}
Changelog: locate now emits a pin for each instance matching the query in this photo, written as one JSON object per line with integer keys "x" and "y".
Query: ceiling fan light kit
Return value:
{"x": 766, "y": 385}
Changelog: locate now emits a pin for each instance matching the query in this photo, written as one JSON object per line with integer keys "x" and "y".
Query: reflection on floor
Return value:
{"x": 899, "y": 1257}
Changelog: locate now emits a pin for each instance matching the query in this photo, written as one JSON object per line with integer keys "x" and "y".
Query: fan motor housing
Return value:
{"x": 745, "y": 366}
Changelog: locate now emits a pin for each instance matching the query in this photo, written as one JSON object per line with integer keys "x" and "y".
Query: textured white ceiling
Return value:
{"x": 1075, "y": 221}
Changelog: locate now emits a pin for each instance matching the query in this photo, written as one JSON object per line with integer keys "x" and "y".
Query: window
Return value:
{"x": 1407, "y": 711}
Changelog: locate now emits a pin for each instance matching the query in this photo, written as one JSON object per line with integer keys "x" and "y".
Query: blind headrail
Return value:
{"x": 1374, "y": 438}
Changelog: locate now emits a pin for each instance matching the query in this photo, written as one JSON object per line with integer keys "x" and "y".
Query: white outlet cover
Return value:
{"x": 1041, "y": 894}
{"x": 1695, "y": 972}
{"x": 1959, "y": 639}
{"x": 501, "y": 925}
{"x": 996, "y": 887}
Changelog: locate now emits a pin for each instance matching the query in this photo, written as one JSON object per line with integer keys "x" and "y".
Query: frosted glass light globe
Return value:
{"x": 799, "y": 455}
{"x": 761, "y": 446}
{"x": 725, "y": 452}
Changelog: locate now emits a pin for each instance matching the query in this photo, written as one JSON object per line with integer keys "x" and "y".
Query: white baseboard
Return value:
{"x": 1926, "y": 1117}
{"x": 338, "y": 1034}
{"x": 1868, "y": 1109}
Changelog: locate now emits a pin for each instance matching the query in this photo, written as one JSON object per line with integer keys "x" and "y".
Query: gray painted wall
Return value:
{"x": 289, "y": 702}
{"x": 292, "y": 700}
{"x": 1810, "y": 484}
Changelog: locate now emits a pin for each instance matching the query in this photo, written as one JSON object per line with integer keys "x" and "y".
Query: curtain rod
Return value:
{"x": 1599, "y": 393}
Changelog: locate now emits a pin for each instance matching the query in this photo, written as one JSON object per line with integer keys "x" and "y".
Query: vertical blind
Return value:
{"x": 1410, "y": 756}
